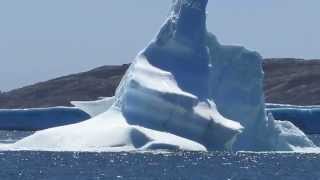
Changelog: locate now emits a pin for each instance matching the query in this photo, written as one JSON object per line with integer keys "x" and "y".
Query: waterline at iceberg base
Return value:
{"x": 184, "y": 91}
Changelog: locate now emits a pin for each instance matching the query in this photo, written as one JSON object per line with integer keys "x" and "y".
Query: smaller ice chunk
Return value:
{"x": 285, "y": 136}
{"x": 306, "y": 118}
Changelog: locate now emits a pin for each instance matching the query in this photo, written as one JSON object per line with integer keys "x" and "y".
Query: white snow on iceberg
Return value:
{"x": 108, "y": 131}
{"x": 183, "y": 91}
{"x": 94, "y": 108}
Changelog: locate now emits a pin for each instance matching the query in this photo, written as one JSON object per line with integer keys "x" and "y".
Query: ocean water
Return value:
{"x": 174, "y": 165}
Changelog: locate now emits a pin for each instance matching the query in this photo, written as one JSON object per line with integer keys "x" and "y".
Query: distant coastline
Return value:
{"x": 287, "y": 81}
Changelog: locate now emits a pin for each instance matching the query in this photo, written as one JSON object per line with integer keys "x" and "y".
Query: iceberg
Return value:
{"x": 306, "y": 118}
{"x": 40, "y": 118}
{"x": 276, "y": 106}
{"x": 184, "y": 91}
{"x": 285, "y": 135}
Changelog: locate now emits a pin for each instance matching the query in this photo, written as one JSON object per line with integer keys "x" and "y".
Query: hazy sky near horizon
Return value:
{"x": 42, "y": 39}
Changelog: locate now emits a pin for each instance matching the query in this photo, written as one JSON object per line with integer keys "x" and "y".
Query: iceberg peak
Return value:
{"x": 186, "y": 24}
{"x": 196, "y": 4}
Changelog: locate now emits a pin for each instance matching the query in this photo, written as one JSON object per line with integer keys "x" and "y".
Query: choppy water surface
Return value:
{"x": 178, "y": 165}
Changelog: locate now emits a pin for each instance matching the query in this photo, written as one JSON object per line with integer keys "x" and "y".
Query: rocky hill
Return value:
{"x": 89, "y": 85}
{"x": 292, "y": 81}
{"x": 289, "y": 81}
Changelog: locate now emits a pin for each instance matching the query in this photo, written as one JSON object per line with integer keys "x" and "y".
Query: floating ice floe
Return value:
{"x": 306, "y": 118}
{"x": 40, "y": 118}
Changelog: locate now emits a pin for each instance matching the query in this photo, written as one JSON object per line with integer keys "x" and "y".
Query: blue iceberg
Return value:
{"x": 40, "y": 118}
{"x": 306, "y": 118}
{"x": 183, "y": 91}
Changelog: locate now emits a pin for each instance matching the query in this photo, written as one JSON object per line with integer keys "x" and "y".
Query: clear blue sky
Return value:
{"x": 42, "y": 39}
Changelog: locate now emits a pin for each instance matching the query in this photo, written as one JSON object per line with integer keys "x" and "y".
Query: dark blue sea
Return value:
{"x": 148, "y": 166}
